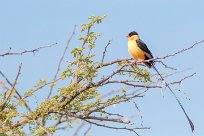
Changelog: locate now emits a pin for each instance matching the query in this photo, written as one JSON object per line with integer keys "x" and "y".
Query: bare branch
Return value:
{"x": 126, "y": 82}
{"x": 40, "y": 87}
{"x": 61, "y": 59}
{"x": 79, "y": 128}
{"x": 136, "y": 106}
{"x": 16, "y": 91}
{"x": 26, "y": 51}
{"x": 181, "y": 80}
{"x": 107, "y": 119}
{"x": 166, "y": 65}
{"x": 12, "y": 89}
{"x": 117, "y": 128}
{"x": 113, "y": 62}
{"x": 86, "y": 132}
{"x": 104, "y": 52}
{"x": 110, "y": 76}
{"x": 139, "y": 89}
{"x": 112, "y": 114}
{"x": 178, "y": 52}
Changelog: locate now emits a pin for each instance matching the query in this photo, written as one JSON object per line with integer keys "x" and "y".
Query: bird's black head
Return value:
{"x": 132, "y": 33}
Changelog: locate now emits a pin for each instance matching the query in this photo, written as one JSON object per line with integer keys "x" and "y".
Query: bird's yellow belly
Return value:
{"x": 135, "y": 52}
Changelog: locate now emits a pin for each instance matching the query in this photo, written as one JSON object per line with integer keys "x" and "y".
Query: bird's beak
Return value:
{"x": 127, "y": 36}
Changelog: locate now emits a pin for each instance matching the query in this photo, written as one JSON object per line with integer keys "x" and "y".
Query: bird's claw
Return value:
{"x": 134, "y": 63}
{"x": 141, "y": 61}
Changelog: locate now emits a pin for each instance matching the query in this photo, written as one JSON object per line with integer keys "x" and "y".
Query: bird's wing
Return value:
{"x": 144, "y": 48}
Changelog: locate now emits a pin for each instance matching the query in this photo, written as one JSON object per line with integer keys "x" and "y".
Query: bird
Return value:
{"x": 139, "y": 51}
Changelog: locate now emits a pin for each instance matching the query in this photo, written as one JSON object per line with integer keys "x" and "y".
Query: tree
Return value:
{"x": 81, "y": 94}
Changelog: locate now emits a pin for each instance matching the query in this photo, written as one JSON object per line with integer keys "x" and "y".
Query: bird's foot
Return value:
{"x": 141, "y": 61}
{"x": 134, "y": 63}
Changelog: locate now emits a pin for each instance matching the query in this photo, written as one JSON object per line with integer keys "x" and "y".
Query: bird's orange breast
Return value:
{"x": 135, "y": 52}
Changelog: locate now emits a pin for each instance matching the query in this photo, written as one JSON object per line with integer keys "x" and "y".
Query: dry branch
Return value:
{"x": 105, "y": 50}
{"x": 16, "y": 91}
{"x": 12, "y": 89}
{"x": 26, "y": 51}
{"x": 176, "y": 53}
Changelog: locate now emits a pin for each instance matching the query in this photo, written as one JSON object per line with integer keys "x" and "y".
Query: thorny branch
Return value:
{"x": 107, "y": 119}
{"x": 140, "y": 116}
{"x": 126, "y": 82}
{"x": 117, "y": 128}
{"x": 26, "y": 51}
{"x": 181, "y": 80}
{"x": 176, "y": 53}
{"x": 105, "y": 50}
{"x": 12, "y": 89}
{"x": 16, "y": 91}
{"x": 166, "y": 66}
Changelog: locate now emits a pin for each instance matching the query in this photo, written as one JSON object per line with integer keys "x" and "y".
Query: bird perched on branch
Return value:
{"x": 139, "y": 51}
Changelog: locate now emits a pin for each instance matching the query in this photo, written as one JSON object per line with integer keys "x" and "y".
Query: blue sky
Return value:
{"x": 165, "y": 25}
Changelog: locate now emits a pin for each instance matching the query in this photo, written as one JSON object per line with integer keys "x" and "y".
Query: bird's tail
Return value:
{"x": 189, "y": 120}
{"x": 148, "y": 64}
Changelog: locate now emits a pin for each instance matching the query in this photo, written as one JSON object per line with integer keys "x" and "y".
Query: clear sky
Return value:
{"x": 165, "y": 25}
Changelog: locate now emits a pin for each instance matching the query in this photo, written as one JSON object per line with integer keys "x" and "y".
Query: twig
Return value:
{"x": 139, "y": 113}
{"x": 117, "y": 128}
{"x": 26, "y": 51}
{"x": 91, "y": 84}
{"x": 126, "y": 82}
{"x": 79, "y": 128}
{"x": 110, "y": 76}
{"x": 112, "y": 114}
{"x": 89, "y": 128}
{"x": 15, "y": 82}
{"x": 119, "y": 90}
{"x": 40, "y": 87}
{"x": 107, "y": 119}
{"x": 178, "y": 52}
{"x": 104, "y": 52}
{"x": 12, "y": 89}
{"x": 61, "y": 59}
{"x": 179, "y": 82}
{"x": 166, "y": 65}
{"x": 113, "y": 62}
{"x": 18, "y": 94}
